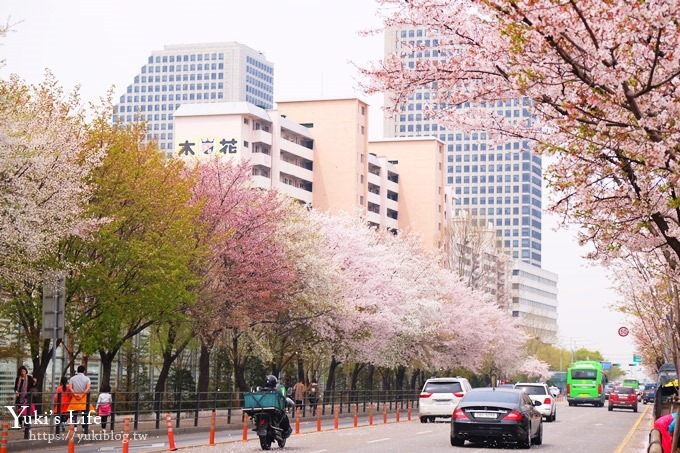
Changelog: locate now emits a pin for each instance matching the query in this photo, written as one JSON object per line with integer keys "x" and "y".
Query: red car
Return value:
{"x": 624, "y": 397}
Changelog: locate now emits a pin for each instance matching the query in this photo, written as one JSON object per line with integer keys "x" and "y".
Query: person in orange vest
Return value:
{"x": 80, "y": 386}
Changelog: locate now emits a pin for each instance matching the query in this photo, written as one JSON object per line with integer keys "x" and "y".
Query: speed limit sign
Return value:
{"x": 623, "y": 331}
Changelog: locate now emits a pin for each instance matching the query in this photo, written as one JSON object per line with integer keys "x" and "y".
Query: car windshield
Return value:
{"x": 491, "y": 395}
{"x": 443, "y": 387}
{"x": 650, "y": 386}
{"x": 532, "y": 389}
{"x": 624, "y": 390}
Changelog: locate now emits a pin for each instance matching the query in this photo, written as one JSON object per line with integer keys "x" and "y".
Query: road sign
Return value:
{"x": 54, "y": 293}
{"x": 637, "y": 358}
{"x": 606, "y": 365}
{"x": 623, "y": 331}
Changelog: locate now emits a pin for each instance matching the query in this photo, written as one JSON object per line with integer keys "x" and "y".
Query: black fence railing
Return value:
{"x": 148, "y": 411}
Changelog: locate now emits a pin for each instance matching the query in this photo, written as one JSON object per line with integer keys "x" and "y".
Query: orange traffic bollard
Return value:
{"x": 408, "y": 413}
{"x": 126, "y": 435}
{"x": 171, "y": 435}
{"x": 297, "y": 421}
{"x": 356, "y": 416}
{"x": 336, "y": 419}
{"x": 385, "y": 413}
{"x": 318, "y": 420}
{"x": 397, "y": 414}
{"x": 245, "y": 428}
{"x": 3, "y": 438}
{"x": 370, "y": 415}
{"x": 71, "y": 439}
{"x": 211, "y": 442}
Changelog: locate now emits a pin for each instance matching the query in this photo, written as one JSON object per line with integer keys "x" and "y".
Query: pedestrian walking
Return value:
{"x": 313, "y": 395}
{"x": 299, "y": 390}
{"x": 22, "y": 385}
{"x": 104, "y": 405}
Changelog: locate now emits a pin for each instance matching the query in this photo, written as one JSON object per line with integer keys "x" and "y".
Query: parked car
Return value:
{"x": 649, "y": 393}
{"x": 540, "y": 392}
{"x": 497, "y": 415}
{"x": 624, "y": 397}
{"x": 440, "y": 396}
{"x": 607, "y": 390}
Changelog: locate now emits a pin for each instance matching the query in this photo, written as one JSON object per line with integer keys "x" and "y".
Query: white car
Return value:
{"x": 440, "y": 396}
{"x": 540, "y": 392}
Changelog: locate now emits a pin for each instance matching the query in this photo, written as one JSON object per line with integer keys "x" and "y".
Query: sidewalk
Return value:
{"x": 148, "y": 426}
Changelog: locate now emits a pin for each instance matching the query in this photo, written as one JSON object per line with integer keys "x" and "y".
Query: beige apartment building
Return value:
{"x": 398, "y": 183}
{"x": 280, "y": 150}
{"x": 422, "y": 198}
{"x": 318, "y": 153}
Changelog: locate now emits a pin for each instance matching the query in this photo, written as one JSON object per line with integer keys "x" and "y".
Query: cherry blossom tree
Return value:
{"x": 43, "y": 170}
{"x": 400, "y": 307}
{"x": 600, "y": 79}
{"x": 247, "y": 271}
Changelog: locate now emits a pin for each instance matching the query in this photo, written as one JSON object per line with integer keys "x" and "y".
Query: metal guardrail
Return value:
{"x": 148, "y": 411}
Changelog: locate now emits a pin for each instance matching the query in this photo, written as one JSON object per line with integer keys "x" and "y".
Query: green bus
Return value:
{"x": 585, "y": 383}
{"x": 632, "y": 383}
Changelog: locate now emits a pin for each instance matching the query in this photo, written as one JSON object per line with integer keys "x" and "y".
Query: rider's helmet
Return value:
{"x": 271, "y": 382}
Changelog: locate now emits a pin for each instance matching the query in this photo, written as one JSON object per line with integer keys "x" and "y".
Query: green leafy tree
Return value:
{"x": 136, "y": 269}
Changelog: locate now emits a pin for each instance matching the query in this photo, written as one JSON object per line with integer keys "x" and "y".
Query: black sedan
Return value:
{"x": 497, "y": 415}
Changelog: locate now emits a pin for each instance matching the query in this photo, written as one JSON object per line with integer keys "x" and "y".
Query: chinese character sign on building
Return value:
{"x": 206, "y": 146}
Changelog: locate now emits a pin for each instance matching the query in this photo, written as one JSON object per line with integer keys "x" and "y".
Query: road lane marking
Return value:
{"x": 318, "y": 451}
{"x": 424, "y": 432}
{"x": 624, "y": 442}
{"x": 378, "y": 440}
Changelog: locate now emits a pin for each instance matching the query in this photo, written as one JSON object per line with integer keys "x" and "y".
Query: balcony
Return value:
{"x": 374, "y": 179}
{"x": 260, "y": 136}
{"x": 262, "y": 182}
{"x": 262, "y": 159}
{"x": 374, "y": 198}
{"x": 295, "y": 192}
{"x": 296, "y": 149}
{"x": 373, "y": 217}
{"x": 294, "y": 170}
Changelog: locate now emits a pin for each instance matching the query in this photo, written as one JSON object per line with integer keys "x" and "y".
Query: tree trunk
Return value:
{"x": 355, "y": 375}
{"x": 371, "y": 375}
{"x": 204, "y": 368}
{"x": 400, "y": 378}
{"x": 330, "y": 381}
{"x": 169, "y": 357}
{"x": 300, "y": 368}
{"x": 106, "y": 359}
{"x": 414, "y": 379}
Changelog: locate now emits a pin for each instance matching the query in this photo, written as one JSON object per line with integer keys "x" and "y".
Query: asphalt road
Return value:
{"x": 581, "y": 429}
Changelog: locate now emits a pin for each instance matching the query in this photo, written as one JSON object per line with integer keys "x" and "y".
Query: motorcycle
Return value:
{"x": 267, "y": 410}
{"x": 267, "y": 424}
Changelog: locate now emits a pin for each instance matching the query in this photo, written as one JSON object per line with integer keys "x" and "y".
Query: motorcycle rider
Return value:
{"x": 271, "y": 383}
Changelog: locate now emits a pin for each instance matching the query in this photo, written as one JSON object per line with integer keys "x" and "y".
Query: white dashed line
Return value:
{"x": 378, "y": 440}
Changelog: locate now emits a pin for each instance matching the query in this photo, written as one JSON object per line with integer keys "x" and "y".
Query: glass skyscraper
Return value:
{"x": 499, "y": 184}
{"x": 194, "y": 73}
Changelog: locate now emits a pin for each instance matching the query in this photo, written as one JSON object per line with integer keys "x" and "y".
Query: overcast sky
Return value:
{"x": 98, "y": 44}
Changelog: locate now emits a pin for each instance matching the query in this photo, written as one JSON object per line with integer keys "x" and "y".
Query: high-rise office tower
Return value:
{"x": 500, "y": 185}
{"x": 194, "y": 73}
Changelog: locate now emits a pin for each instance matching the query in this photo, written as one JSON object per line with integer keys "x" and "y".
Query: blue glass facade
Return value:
{"x": 193, "y": 74}
{"x": 500, "y": 183}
